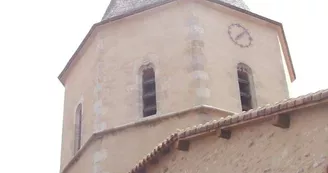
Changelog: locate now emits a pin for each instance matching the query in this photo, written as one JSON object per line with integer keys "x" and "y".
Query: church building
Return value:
{"x": 188, "y": 86}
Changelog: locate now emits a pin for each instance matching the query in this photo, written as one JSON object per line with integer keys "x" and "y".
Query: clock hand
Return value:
{"x": 240, "y": 35}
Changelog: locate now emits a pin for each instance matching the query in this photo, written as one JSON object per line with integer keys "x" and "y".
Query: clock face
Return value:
{"x": 240, "y": 35}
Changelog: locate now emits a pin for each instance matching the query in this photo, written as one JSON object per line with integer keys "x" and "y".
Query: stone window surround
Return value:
{"x": 75, "y": 147}
{"x": 245, "y": 68}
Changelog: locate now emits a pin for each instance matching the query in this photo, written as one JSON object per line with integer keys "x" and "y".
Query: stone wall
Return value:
{"x": 194, "y": 59}
{"x": 221, "y": 57}
{"x": 258, "y": 148}
{"x": 120, "y": 149}
{"x": 107, "y": 77}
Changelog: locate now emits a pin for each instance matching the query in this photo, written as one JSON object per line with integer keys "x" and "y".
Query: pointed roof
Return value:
{"x": 121, "y": 7}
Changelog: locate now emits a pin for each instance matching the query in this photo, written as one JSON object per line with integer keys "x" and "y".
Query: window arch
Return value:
{"x": 78, "y": 128}
{"x": 246, "y": 86}
{"x": 149, "y": 91}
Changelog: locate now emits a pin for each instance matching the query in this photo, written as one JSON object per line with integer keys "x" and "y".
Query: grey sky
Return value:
{"x": 37, "y": 37}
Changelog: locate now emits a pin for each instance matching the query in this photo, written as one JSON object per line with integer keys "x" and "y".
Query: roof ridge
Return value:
{"x": 235, "y": 116}
{"x": 120, "y": 7}
{"x": 284, "y": 105}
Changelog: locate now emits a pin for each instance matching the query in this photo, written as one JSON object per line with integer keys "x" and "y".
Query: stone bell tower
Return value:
{"x": 150, "y": 67}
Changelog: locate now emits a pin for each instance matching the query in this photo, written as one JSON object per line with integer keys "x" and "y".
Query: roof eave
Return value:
{"x": 237, "y": 120}
{"x": 63, "y": 74}
{"x": 284, "y": 43}
{"x": 288, "y": 58}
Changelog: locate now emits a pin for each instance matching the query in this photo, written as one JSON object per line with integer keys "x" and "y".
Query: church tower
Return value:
{"x": 152, "y": 66}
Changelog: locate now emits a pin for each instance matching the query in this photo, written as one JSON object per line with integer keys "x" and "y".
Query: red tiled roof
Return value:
{"x": 283, "y": 106}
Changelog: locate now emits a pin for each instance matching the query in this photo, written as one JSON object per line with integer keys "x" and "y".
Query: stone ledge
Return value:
{"x": 141, "y": 122}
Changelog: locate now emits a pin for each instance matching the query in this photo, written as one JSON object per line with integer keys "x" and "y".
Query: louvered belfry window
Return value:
{"x": 149, "y": 92}
{"x": 78, "y": 128}
{"x": 244, "y": 88}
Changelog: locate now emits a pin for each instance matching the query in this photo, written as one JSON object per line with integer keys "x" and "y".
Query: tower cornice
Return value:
{"x": 277, "y": 25}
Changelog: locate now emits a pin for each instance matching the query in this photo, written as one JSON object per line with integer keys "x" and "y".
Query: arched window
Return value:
{"x": 245, "y": 86}
{"x": 78, "y": 128}
{"x": 149, "y": 92}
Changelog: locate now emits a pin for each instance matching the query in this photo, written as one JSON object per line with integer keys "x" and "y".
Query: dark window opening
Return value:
{"x": 149, "y": 92}
{"x": 244, "y": 89}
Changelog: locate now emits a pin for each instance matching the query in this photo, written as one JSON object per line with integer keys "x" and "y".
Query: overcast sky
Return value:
{"x": 37, "y": 38}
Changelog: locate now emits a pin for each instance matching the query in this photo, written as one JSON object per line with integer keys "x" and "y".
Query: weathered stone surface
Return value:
{"x": 107, "y": 76}
{"x": 301, "y": 148}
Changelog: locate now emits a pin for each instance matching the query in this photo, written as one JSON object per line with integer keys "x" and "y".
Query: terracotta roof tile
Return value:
{"x": 215, "y": 124}
{"x": 227, "y": 120}
{"x": 256, "y": 113}
{"x": 324, "y": 94}
{"x": 268, "y": 109}
{"x": 209, "y": 126}
{"x": 317, "y": 96}
{"x": 206, "y": 126}
{"x": 291, "y": 103}
{"x": 275, "y": 107}
{"x": 284, "y": 105}
{"x": 221, "y": 122}
{"x": 248, "y": 115}
{"x": 307, "y": 99}
{"x": 241, "y": 116}
{"x": 234, "y": 119}
{"x": 182, "y": 134}
{"x": 188, "y": 131}
{"x": 299, "y": 101}
{"x": 202, "y": 128}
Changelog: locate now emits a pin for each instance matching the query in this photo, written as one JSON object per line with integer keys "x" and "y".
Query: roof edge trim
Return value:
{"x": 251, "y": 116}
{"x": 62, "y": 76}
{"x": 284, "y": 43}
{"x": 147, "y": 120}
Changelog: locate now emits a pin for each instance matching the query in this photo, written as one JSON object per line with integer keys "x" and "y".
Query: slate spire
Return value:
{"x": 121, "y": 7}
